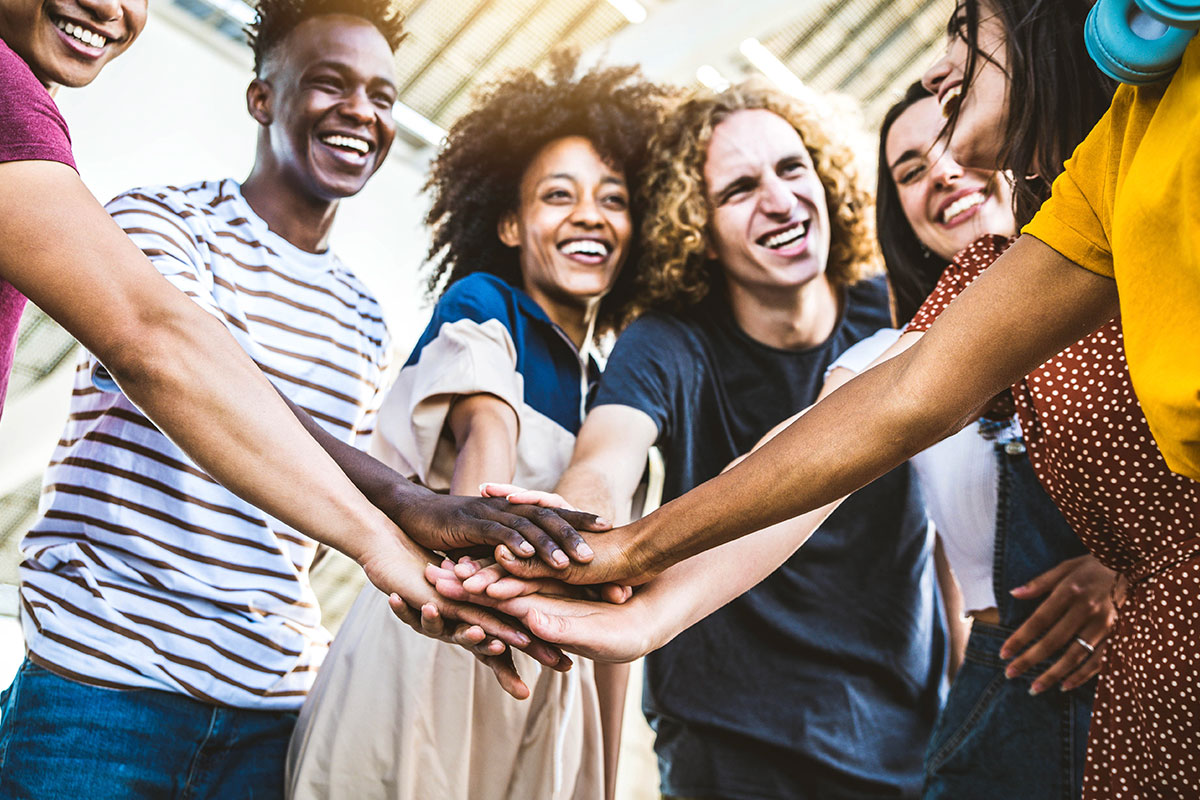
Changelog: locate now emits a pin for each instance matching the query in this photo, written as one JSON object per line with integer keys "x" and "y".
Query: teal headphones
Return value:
{"x": 1140, "y": 41}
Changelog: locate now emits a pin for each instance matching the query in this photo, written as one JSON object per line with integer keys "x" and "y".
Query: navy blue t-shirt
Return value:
{"x": 824, "y": 680}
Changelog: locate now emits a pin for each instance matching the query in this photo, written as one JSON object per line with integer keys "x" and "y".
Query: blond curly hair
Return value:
{"x": 678, "y": 272}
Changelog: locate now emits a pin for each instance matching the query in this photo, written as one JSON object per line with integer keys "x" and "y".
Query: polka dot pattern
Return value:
{"x": 1091, "y": 447}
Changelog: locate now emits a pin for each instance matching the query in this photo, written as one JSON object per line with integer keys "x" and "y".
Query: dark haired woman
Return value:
{"x": 532, "y": 225}
{"x": 1006, "y": 542}
{"x": 1016, "y": 83}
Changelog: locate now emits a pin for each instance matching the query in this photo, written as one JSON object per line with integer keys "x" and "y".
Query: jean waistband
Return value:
{"x": 1164, "y": 559}
{"x": 985, "y": 641}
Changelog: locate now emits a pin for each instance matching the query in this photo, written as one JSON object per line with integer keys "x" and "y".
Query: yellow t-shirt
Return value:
{"x": 1128, "y": 207}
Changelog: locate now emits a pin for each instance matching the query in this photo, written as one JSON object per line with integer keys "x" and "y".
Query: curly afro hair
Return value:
{"x": 275, "y": 19}
{"x": 676, "y": 227}
{"x": 475, "y": 180}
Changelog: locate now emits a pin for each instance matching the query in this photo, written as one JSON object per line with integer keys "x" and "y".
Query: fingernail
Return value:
{"x": 584, "y": 550}
{"x": 1010, "y": 673}
{"x": 602, "y": 521}
{"x": 559, "y": 558}
{"x": 483, "y": 488}
{"x": 503, "y": 552}
{"x": 521, "y": 640}
{"x": 1036, "y": 689}
{"x": 1062, "y": 687}
{"x": 1005, "y": 654}
{"x": 526, "y": 548}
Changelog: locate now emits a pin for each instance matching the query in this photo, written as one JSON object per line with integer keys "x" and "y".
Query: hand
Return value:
{"x": 397, "y": 568}
{"x": 1079, "y": 606}
{"x": 614, "y": 562}
{"x": 485, "y": 576}
{"x": 597, "y": 630}
{"x": 445, "y": 522}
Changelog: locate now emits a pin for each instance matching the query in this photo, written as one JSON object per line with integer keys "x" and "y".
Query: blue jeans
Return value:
{"x": 992, "y": 739}
{"x": 62, "y": 740}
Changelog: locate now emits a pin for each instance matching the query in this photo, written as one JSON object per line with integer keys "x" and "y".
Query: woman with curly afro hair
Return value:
{"x": 534, "y": 255}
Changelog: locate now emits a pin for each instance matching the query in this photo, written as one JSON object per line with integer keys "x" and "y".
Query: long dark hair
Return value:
{"x": 1056, "y": 94}
{"x": 912, "y": 269}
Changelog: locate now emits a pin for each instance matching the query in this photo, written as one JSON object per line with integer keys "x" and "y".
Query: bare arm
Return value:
{"x": 183, "y": 369}
{"x": 1029, "y": 305}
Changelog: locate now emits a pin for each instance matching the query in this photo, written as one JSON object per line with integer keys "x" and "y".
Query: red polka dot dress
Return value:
{"x": 1091, "y": 447}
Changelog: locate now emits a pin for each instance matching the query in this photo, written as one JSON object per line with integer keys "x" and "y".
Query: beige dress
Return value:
{"x": 398, "y": 716}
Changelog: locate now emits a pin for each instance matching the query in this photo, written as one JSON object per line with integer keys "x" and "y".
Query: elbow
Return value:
{"x": 157, "y": 349}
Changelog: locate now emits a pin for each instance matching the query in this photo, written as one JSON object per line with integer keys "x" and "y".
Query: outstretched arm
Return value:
{"x": 1029, "y": 305}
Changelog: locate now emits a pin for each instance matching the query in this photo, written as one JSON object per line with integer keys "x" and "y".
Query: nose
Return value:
{"x": 945, "y": 170}
{"x": 586, "y": 213}
{"x": 357, "y": 106}
{"x": 776, "y": 197}
{"x": 102, "y": 10}
{"x": 937, "y": 73}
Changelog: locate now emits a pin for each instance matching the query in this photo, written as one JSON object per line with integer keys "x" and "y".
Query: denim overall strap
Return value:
{"x": 1031, "y": 535}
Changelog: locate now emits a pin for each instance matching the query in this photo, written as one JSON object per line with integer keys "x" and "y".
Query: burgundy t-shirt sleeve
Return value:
{"x": 31, "y": 127}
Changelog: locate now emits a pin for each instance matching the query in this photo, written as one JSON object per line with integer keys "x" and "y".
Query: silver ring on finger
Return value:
{"x": 1091, "y": 648}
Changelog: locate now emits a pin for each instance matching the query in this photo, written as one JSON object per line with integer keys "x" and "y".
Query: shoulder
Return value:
{"x": 480, "y": 297}
{"x": 658, "y": 331}
{"x": 868, "y": 306}
{"x": 659, "y": 343}
{"x": 186, "y": 202}
{"x": 32, "y": 129}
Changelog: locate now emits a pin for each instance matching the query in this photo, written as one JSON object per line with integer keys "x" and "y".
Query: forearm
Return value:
{"x": 591, "y": 488}
{"x": 485, "y": 432}
{"x": 876, "y": 421}
{"x": 612, "y": 682}
{"x": 959, "y": 628}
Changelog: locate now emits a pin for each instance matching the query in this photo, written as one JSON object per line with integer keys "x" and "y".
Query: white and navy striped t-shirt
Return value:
{"x": 141, "y": 570}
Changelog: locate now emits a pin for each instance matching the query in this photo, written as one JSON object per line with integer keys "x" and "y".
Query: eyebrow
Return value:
{"x": 569, "y": 177}
{"x": 338, "y": 66}
{"x": 905, "y": 156}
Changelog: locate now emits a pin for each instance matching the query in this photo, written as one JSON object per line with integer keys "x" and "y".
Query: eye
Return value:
{"x": 737, "y": 191}
{"x": 791, "y": 167}
{"x": 617, "y": 201}
{"x": 556, "y": 196}
{"x": 910, "y": 174}
{"x": 327, "y": 82}
{"x": 383, "y": 100}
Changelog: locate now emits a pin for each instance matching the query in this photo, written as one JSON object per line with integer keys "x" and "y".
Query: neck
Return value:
{"x": 298, "y": 217}
{"x": 788, "y": 320}
{"x": 575, "y": 320}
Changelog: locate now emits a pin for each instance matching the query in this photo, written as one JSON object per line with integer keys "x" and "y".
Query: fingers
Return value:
{"x": 579, "y": 520}
{"x": 481, "y": 580}
{"x": 615, "y": 593}
{"x": 1060, "y": 634}
{"x": 506, "y": 675}
{"x": 522, "y": 567}
{"x": 550, "y": 533}
{"x": 519, "y": 495}
{"x": 1045, "y": 582}
{"x": 1073, "y": 663}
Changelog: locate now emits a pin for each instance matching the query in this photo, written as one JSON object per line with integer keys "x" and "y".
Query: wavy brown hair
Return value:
{"x": 675, "y": 231}
{"x": 476, "y": 178}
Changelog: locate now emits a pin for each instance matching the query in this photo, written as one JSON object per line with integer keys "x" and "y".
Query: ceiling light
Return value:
{"x": 414, "y": 122}
{"x": 632, "y": 10}
{"x": 712, "y": 78}
{"x": 766, "y": 63}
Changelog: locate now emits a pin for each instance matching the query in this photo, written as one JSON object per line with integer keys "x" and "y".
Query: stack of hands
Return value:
{"x": 559, "y": 593}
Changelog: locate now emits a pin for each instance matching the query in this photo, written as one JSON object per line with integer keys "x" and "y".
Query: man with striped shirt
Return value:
{"x": 142, "y": 573}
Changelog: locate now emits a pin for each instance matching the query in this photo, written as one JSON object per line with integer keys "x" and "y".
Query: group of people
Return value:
{"x": 779, "y": 342}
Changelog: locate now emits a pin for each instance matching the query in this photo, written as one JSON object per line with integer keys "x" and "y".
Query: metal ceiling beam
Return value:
{"x": 680, "y": 36}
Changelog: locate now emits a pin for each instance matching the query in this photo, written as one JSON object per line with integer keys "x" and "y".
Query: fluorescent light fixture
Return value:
{"x": 234, "y": 8}
{"x": 712, "y": 78}
{"x": 766, "y": 63}
{"x": 632, "y": 10}
{"x": 414, "y": 122}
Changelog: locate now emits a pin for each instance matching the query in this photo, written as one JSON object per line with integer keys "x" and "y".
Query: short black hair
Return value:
{"x": 476, "y": 177}
{"x": 275, "y": 19}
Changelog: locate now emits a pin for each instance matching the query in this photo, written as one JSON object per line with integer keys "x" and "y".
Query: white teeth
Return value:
{"x": 949, "y": 99}
{"x": 90, "y": 38}
{"x": 961, "y": 205}
{"x": 587, "y": 247}
{"x": 787, "y": 237}
{"x": 352, "y": 142}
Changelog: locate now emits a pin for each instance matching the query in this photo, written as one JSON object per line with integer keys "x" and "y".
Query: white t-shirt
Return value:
{"x": 958, "y": 478}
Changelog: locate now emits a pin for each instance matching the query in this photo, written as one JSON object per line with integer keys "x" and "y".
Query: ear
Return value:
{"x": 509, "y": 230}
{"x": 259, "y": 100}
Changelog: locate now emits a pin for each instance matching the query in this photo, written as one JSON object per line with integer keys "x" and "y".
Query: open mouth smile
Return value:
{"x": 960, "y": 208}
{"x": 82, "y": 39}
{"x": 586, "y": 251}
{"x": 786, "y": 237}
{"x": 950, "y": 99}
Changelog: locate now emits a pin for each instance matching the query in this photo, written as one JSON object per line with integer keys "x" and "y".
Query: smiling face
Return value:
{"x": 947, "y": 205}
{"x": 572, "y": 224}
{"x": 769, "y": 223}
{"x": 978, "y": 137}
{"x": 68, "y": 42}
{"x": 325, "y": 99}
